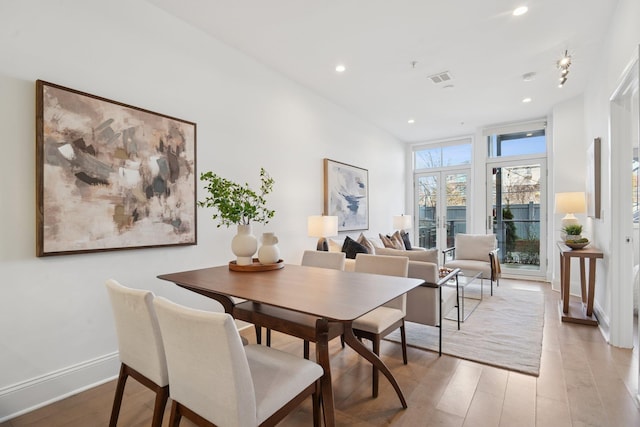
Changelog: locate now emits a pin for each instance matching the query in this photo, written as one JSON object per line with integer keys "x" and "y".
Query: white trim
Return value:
{"x": 26, "y": 396}
{"x": 620, "y": 263}
{"x": 507, "y": 128}
{"x": 460, "y": 140}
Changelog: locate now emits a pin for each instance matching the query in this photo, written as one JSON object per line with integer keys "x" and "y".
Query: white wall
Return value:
{"x": 567, "y": 172}
{"x": 620, "y": 47}
{"x": 56, "y": 329}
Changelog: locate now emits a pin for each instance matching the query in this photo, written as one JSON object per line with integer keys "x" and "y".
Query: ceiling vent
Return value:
{"x": 441, "y": 77}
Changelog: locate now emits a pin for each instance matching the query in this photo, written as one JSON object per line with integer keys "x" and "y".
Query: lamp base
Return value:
{"x": 569, "y": 219}
{"x": 323, "y": 245}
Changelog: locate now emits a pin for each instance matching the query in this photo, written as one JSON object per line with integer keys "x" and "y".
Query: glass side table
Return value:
{"x": 461, "y": 281}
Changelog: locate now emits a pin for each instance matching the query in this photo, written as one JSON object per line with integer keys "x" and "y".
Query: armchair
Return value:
{"x": 476, "y": 252}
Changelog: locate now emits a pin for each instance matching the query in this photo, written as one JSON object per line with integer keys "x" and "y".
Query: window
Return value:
{"x": 452, "y": 154}
{"x": 521, "y": 140}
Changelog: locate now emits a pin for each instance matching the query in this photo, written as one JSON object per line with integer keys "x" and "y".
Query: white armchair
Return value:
{"x": 475, "y": 252}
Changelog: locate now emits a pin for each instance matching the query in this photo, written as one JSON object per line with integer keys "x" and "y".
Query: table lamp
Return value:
{"x": 402, "y": 222}
{"x": 322, "y": 226}
{"x": 570, "y": 203}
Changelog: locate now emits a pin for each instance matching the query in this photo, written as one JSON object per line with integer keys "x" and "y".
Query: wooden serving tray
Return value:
{"x": 256, "y": 266}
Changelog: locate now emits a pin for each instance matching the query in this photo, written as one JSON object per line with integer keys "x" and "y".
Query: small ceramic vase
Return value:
{"x": 244, "y": 245}
{"x": 269, "y": 253}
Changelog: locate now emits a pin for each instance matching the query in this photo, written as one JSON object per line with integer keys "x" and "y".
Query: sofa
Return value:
{"x": 422, "y": 302}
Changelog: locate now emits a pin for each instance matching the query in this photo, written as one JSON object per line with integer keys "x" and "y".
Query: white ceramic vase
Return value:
{"x": 244, "y": 245}
{"x": 269, "y": 253}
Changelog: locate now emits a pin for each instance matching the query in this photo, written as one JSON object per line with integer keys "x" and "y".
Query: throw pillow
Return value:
{"x": 397, "y": 240}
{"x": 366, "y": 243}
{"x": 406, "y": 240}
{"x": 351, "y": 248}
{"x": 387, "y": 242}
{"x": 334, "y": 246}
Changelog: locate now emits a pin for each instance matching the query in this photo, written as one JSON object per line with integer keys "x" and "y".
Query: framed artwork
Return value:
{"x": 110, "y": 176}
{"x": 593, "y": 179}
{"x": 346, "y": 195}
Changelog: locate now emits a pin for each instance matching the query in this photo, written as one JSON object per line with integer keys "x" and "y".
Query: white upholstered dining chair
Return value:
{"x": 215, "y": 380}
{"x": 140, "y": 347}
{"x": 387, "y": 318}
{"x": 324, "y": 259}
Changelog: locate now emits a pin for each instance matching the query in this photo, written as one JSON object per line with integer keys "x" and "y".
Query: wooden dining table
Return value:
{"x": 314, "y": 304}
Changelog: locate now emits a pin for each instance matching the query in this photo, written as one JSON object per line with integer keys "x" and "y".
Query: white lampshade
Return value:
{"x": 570, "y": 203}
{"x": 322, "y": 226}
{"x": 402, "y": 222}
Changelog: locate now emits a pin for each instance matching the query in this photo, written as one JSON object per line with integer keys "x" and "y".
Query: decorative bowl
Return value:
{"x": 576, "y": 245}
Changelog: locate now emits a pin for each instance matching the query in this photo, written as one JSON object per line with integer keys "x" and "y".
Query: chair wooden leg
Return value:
{"x": 306, "y": 349}
{"x": 117, "y": 400}
{"x": 342, "y": 340}
{"x": 403, "y": 337}
{"x": 174, "y": 418}
{"x": 375, "y": 373}
{"x": 162, "y": 394}
{"x": 315, "y": 397}
{"x": 268, "y": 337}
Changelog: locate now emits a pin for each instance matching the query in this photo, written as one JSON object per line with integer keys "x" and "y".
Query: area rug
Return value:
{"x": 505, "y": 330}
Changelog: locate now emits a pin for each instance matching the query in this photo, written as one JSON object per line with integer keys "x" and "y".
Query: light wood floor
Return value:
{"x": 583, "y": 382}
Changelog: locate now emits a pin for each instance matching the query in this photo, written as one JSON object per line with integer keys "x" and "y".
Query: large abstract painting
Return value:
{"x": 110, "y": 176}
{"x": 346, "y": 190}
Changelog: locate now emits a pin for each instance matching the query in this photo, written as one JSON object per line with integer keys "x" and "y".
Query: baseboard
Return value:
{"x": 20, "y": 398}
{"x": 603, "y": 322}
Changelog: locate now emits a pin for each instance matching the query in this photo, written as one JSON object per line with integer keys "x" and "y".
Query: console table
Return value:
{"x": 578, "y": 312}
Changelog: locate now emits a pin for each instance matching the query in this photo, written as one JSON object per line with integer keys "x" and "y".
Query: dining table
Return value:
{"x": 311, "y": 303}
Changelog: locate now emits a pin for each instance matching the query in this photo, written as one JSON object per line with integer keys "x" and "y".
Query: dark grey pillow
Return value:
{"x": 351, "y": 248}
{"x": 406, "y": 240}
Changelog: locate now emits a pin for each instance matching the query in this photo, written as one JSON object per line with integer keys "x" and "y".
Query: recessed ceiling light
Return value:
{"x": 520, "y": 10}
{"x": 526, "y": 100}
{"x": 527, "y": 77}
{"x": 411, "y": 121}
{"x": 340, "y": 68}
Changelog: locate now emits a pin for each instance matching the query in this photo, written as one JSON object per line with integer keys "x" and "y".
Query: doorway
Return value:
{"x": 441, "y": 207}
{"x": 624, "y": 131}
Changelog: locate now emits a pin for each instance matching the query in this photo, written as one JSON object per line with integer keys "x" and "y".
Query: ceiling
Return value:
{"x": 390, "y": 49}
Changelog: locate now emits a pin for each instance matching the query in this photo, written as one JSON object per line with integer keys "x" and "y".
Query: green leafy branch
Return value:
{"x": 235, "y": 203}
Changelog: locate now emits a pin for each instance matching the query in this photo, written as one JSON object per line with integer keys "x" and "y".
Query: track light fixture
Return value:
{"x": 563, "y": 65}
